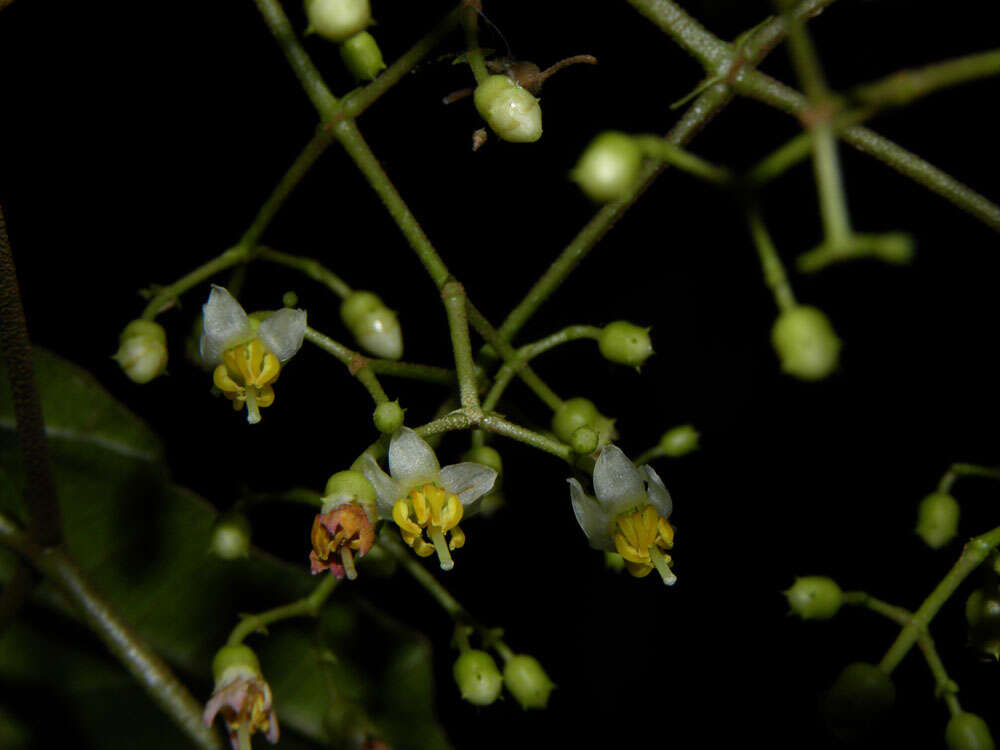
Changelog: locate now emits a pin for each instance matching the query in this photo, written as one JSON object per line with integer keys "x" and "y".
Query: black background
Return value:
{"x": 138, "y": 140}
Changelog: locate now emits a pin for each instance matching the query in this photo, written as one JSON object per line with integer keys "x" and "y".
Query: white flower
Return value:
{"x": 629, "y": 515}
{"x": 248, "y": 357}
{"x": 421, "y": 497}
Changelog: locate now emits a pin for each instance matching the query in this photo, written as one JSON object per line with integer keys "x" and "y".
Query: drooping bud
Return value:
{"x": 814, "y": 597}
{"x": 362, "y": 56}
{"x": 374, "y": 326}
{"x": 678, "y": 441}
{"x": 231, "y": 536}
{"x": 388, "y": 417}
{"x": 338, "y": 20}
{"x": 858, "y": 699}
{"x": 478, "y": 678}
{"x": 511, "y": 112}
{"x": 625, "y": 343}
{"x": 142, "y": 351}
{"x": 527, "y": 681}
{"x": 806, "y": 343}
{"x": 609, "y": 167}
{"x": 937, "y": 519}
{"x": 967, "y": 731}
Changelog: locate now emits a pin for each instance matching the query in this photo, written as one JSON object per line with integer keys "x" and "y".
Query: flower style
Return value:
{"x": 629, "y": 515}
{"x": 248, "y": 357}
{"x": 424, "y": 500}
{"x": 242, "y": 697}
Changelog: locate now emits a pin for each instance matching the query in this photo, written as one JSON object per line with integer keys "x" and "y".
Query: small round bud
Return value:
{"x": 806, "y": 343}
{"x": 485, "y": 455}
{"x": 814, "y": 597}
{"x": 937, "y": 519}
{"x": 142, "y": 350}
{"x": 337, "y": 20}
{"x": 510, "y": 111}
{"x": 584, "y": 440}
{"x": 374, "y": 325}
{"x": 348, "y": 487}
{"x": 388, "y": 417}
{"x": 527, "y": 681}
{"x": 625, "y": 343}
{"x": 861, "y": 695}
{"x": 477, "y": 677}
{"x": 289, "y": 299}
{"x": 362, "y": 57}
{"x": 967, "y": 731}
{"x": 571, "y": 416}
{"x": 235, "y": 657}
{"x": 678, "y": 441}
{"x": 609, "y": 167}
{"x": 231, "y": 536}
{"x": 614, "y": 561}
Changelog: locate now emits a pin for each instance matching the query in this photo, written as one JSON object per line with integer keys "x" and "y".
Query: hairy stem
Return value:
{"x": 458, "y": 323}
{"x": 307, "y": 606}
{"x": 774, "y": 270}
{"x": 310, "y": 267}
{"x": 356, "y": 363}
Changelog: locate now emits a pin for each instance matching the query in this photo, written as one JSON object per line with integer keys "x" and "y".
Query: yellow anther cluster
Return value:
{"x": 256, "y": 710}
{"x": 246, "y": 376}
{"x": 638, "y": 532}
{"x": 432, "y": 509}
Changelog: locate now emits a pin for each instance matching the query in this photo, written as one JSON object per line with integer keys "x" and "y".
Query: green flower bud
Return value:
{"x": 527, "y": 681}
{"x": 678, "y": 441}
{"x": 614, "y": 561}
{"x": 230, "y": 536}
{"x": 388, "y": 417}
{"x": 581, "y": 412}
{"x": 584, "y": 440}
{"x": 477, "y": 677}
{"x": 362, "y": 57}
{"x": 609, "y": 167}
{"x": 510, "y": 111}
{"x": 806, "y": 343}
{"x": 338, "y": 20}
{"x": 973, "y": 606}
{"x": 374, "y": 325}
{"x": 967, "y": 731}
{"x": 142, "y": 351}
{"x": 290, "y": 299}
{"x": 235, "y": 657}
{"x": 861, "y": 695}
{"x": 937, "y": 519}
{"x": 814, "y": 597}
{"x": 349, "y": 486}
{"x": 625, "y": 343}
{"x": 485, "y": 455}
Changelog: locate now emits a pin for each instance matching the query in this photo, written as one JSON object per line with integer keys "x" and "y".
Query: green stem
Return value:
{"x": 965, "y": 470}
{"x": 141, "y": 662}
{"x": 905, "y": 86}
{"x": 974, "y": 553}
{"x": 413, "y": 371}
{"x": 310, "y": 267}
{"x": 690, "y": 35}
{"x": 473, "y": 52}
{"x": 356, "y": 363}
{"x": 528, "y": 352}
{"x": 390, "y": 543}
{"x": 456, "y": 420}
{"x": 500, "y": 426}
{"x": 307, "y": 606}
{"x": 494, "y": 339}
{"x": 675, "y": 156}
{"x": 165, "y": 296}
{"x": 297, "y": 495}
{"x": 774, "y": 271}
{"x": 458, "y": 323}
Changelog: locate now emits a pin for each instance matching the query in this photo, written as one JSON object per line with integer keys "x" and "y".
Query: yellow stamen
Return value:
{"x": 430, "y": 510}
{"x": 641, "y": 538}
{"x": 246, "y": 376}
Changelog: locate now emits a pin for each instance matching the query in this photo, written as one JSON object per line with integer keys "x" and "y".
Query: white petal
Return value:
{"x": 283, "y": 332}
{"x": 470, "y": 481}
{"x": 386, "y": 491}
{"x": 411, "y": 461}
{"x": 592, "y": 519}
{"x": 658, "y": 494}
{"x": 617, "y": 482}
{"x": 224, "y": 325}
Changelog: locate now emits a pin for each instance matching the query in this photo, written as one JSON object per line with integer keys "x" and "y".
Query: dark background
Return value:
{"x": 138, "y": 140}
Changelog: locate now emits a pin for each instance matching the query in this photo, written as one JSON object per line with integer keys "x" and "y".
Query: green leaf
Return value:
{"x": 143, "y": 541}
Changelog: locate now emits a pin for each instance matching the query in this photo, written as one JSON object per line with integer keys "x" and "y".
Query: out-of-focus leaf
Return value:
{"x": 143, "y": 542}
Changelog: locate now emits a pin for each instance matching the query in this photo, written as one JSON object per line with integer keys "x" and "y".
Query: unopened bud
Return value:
{"x": 806, "y": 343}
{"x": 374, "y": 326}
{"x": 678, "y": 441}
{"x": 609, "y": 167}
{"x": 231, "y": 536}
{"x": 814, "y": 597}
{"x": 362, "y": 56}
{"x": 527, "y": 681}
{"x": 388, "y": 417}
{"x": 625, "y": 343}
{"x": 967, "y": 731}
{"x": 511, "y": 112}
{"x": 338, "y": 20}
{"x": 937, "y": 519}
{"x": 477, "y": 677}
{"x": 142, "y": 350}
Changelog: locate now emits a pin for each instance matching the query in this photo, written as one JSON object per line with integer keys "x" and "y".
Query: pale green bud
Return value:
{"x": 815, "y": 597}
{"x": 388, "y": 417}
{"x": 142, "y": 351}
{"x": 678, "y": 441}
{"x": 967, "y": 731}
{"x": 374, "y": 325}
{"x": 338, "y": 20}
{"x": 362, "y": 57}
{"x": 231, "y": 536}
{"x": 806, "y": 343}
{"x": 937, "y": 519}
{"x": 625, "y": 343}
{"x": 477, "y": 677}
{"x": 510, "y": 111}
{"x": 609, "y": 167}
{"x": 485, "y": 455}
{"x": 581, "y": 412}
{"x": 584, "y": 440}
{"x": 527, "y": 681}
{"x": 349, "y": 486}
